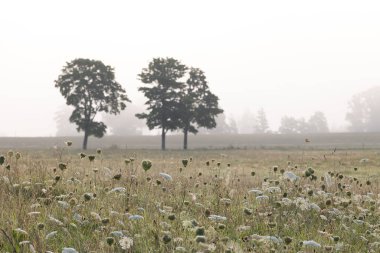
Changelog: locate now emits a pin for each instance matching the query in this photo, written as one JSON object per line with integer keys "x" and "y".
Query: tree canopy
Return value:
{"x": 90, "y": 87}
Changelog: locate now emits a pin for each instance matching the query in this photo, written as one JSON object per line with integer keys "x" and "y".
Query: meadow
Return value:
{"x": 248, "y": 200}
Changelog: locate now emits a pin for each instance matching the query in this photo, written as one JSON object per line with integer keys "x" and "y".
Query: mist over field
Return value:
{"x": 290, "y": 59}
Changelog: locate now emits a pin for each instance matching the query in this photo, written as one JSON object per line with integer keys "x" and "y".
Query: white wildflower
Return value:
{"x": 135, "y": 217}
{"x": 214, "y": 217}
{"x": 69, "y": 250}
{"x": 289, "y": 175}
{"x": 51, "y": 235}
{"x": 166, "y": 176}
{"x": 255, "y": 191}
{"x": 126, "y": 242}
{"x": 117, "y": 190}
{"x": 311, "y": 243}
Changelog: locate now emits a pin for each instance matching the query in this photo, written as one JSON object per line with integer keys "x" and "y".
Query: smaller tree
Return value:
{"x": 90, "y": 87}
{"x": 262, "y": 122}
{"x": 198, "y": 106}
{"x": 164, "y": 74}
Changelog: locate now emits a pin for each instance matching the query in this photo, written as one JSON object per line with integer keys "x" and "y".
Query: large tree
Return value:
{"x": 198, "y": 105}
{"x": 163, "y": 94}
{"x": 90, "y": 87}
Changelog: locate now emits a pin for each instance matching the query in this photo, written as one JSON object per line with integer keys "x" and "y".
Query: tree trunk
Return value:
{"x": 185, "y": 132}
{"x": 163, "y": 139}
{"x": 85, "y": 139}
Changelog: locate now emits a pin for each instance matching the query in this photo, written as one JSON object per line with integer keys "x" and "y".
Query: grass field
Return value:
{"x": 199, "y": 141}
{"x": 296, "y": 200}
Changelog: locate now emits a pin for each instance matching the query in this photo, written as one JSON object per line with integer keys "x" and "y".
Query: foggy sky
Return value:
{"x": 289, "y": 57}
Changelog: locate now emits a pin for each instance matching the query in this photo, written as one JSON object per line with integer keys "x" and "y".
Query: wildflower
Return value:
{"x": 34, "y": 213}
{"x": 289, "y": 175}
{"x": 180, "y": 249}
{"x": 288, "y": 240}
{"x": 136, "y": 217}
{"x": 18, "y": 155}
{"x": 214, "y": 217}
{"x": 248, "y": 211}
{"x": 64, "y": 204}
{"x": 311, "y": 243}
{"x": 200, "y": 231}
{"x": 40, "y": 226}
{"x": 2, "y": 160}
{"x": 166, "y": 176}
{"x": 268, "y": 238}
{"x": 126, "y": 242}
{"x": 62, "y": 166}
{"x": 110, "y": 240}
{"x": 243, "y": 228}
{"x": 185, "y": 162}
{"x": 55, "y": 221}
{"x": 117, "y": 190}
{"x": 95, "y": 216}
{"x": 88, "y": 196}
{"x": 68, "y": 143}
{"x": 146, "y": 164}
{"x": 99, "y": 151}
{"x": 117, "y": 176}
{"x": 91, "y": 158}
{"x": 262, "y": 198}
{"x": 51, "y": 235}
{"x": 273, "y": 189}
{"x": 10, "y": 153}
{"x": 256, "y": 192}
{"x": 69, "y": 250}
{"x": 166, "y": 238}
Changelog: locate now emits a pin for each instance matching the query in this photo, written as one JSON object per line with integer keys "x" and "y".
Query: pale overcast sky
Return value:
{"x": 289, "y": 57}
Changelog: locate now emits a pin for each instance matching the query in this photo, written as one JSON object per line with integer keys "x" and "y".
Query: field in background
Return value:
{"x": 239, "y": 141}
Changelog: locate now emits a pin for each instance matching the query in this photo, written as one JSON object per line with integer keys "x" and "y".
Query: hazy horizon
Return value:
{"x": 289, "y": 57}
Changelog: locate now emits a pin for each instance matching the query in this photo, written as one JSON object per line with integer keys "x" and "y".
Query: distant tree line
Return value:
{"x": 317, "y": 123}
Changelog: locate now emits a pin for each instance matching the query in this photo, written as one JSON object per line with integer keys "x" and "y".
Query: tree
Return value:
{"x": 317, "y": 123}
{"x": 289, "y": 125}
{"x": 247, "y": 123}
{"x": 261, "y": 122}
{"x": 90, "y": 87}
{"x": 198, "y": 106}
{"x": 163, "y": 97}
{"x": 364, "y": 110}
